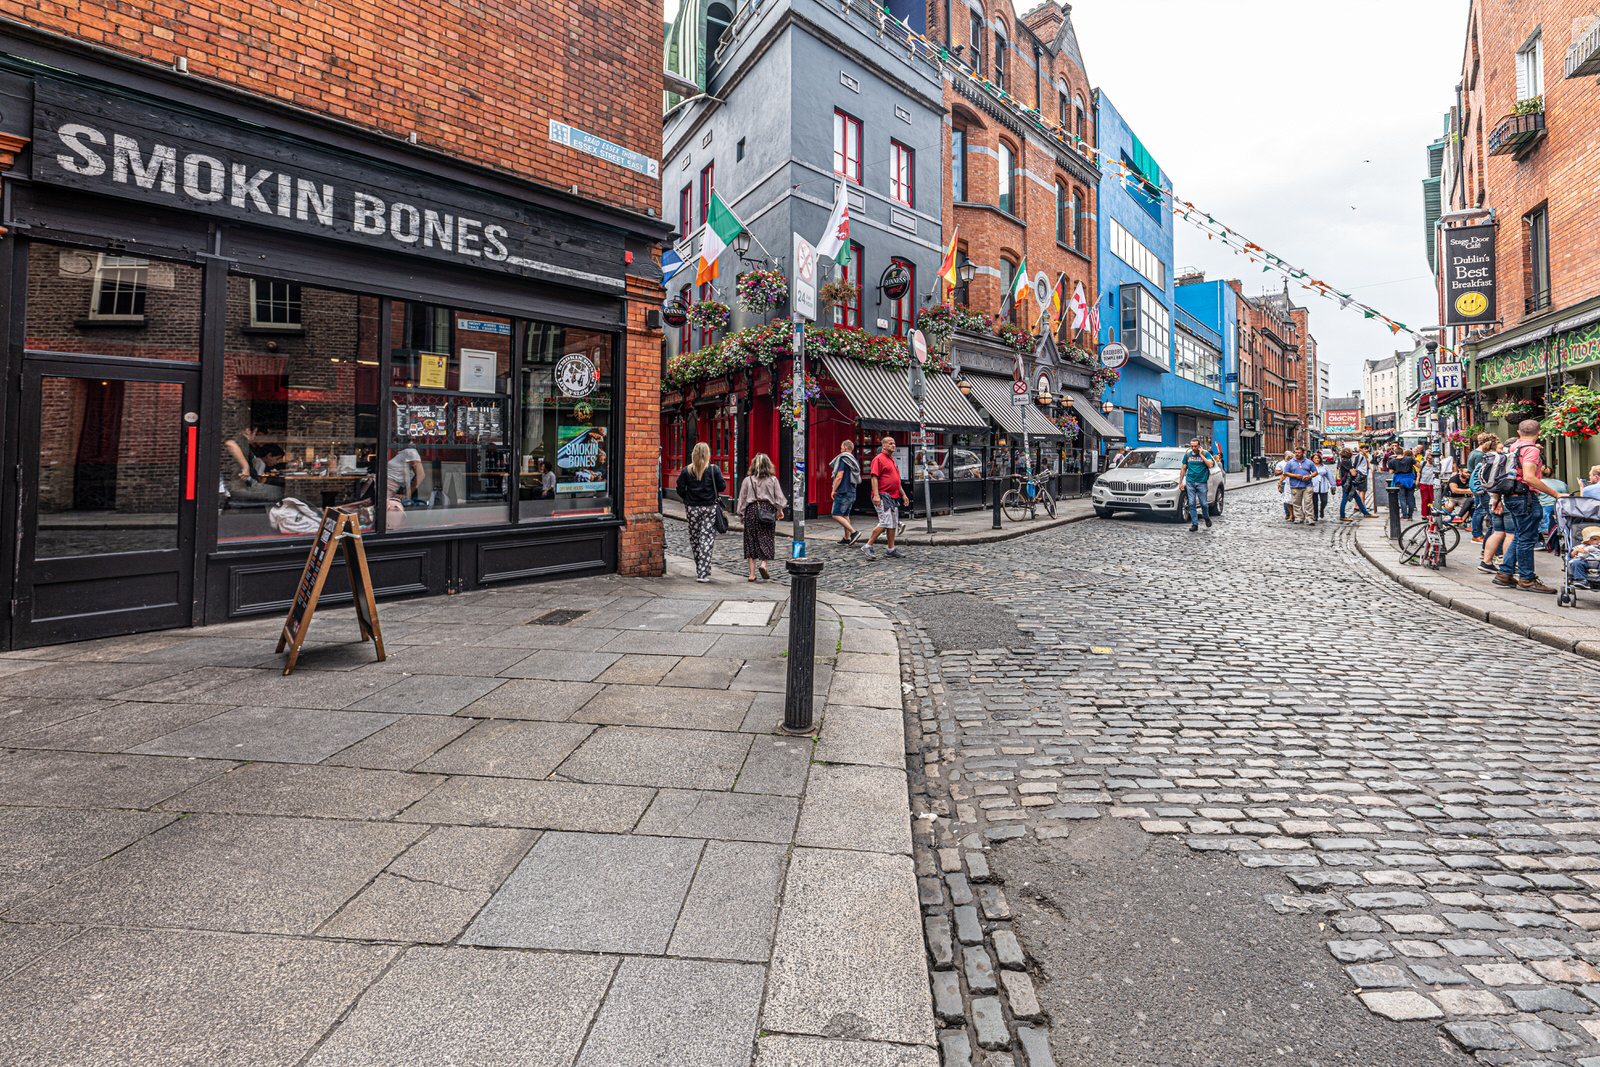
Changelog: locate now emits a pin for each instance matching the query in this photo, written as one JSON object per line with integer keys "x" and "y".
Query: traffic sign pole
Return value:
{"x": 917, "y": 368}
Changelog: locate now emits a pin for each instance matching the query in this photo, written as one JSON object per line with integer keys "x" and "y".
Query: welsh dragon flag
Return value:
{"x": 835, "y": 243}
{"x": 722, "y": 226}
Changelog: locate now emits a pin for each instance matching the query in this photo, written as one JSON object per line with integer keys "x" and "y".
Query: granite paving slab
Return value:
{"x": 24, "y": 715}
{"x": 485, "y": 660}
{"x": 464, "y": 857}
{"x": 117, "y": 727}
{"x": 452, "y": 1007}
{"x": 75, "y": 779}
{"x": 207, "y": 652}
{"x": 840, "y": 908}
{"x": 228, "y": 872}
{"x": 871, "y": 736}
{"x": 561, "y": 665}
{"x": 21, "y": 944}
{"x": 855, "y": 807}
{"x": 540, "y": 805}
{"x": 674, "y": 1012}
{"x": 509, "y": 749}
{"x": 681, "y": 759}
{"x": 314, "y": 791}
{"x": 524, "y": 698}
{"x": 765, "y": 676}
{"x": 40, "y": 847}
{"x": 591, "y": 893}
{"x": 429, "y": 694}
{"x": 79, "y": 680}
{"x": 657, "y": 643}
{"x": 403, "y": 744}
{"x": 704, "y": 672}
{"x": 732, "y": 904}
{"x": 721, "y": 816}
{"x": 776, "y": 764}
{"x": 325, "y": 690}
{"x": 741, "y": 646}
{"x": 278, "y": 734}
{"x": 529, "y": 637}
{"x": 636, "y": 668}
{"x": 665, "y": 706}
{"x": 877, "y": 690}
{"x": 783, "y": 1050}
{"x": 156, "y": 998}
{"x": 403, "y": 909}
{"x": 197, "y": 685}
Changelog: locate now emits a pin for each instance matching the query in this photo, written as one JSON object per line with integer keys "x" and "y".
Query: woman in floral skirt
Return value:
{"x": 700, "y": 487}
{"x": 760, "y": 504}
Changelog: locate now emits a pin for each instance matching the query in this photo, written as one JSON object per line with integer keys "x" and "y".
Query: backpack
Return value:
{"x": 1500, "y": 474}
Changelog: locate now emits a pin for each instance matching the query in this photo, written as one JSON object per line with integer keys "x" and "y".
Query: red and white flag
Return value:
{"x": 1080, "y": 309}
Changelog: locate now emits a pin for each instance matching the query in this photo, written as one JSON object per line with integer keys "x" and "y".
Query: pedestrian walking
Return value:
{"x": 846, "y": 476}
{"x": 1197, "y": 468}
{"x": 1322, "y": 485}
{"x": 1283, "y": 485}
{"x": 1369, "y": 483}
{"x": 1521, "y": 508}
{"x": 1496, "y": 533}
{"x": 1480, "y": 499}
{"x": 1427, "y": 481}
{"x": 1547, "y": 503}
{"x": 700, "y": 487}
{"x": 1299, "y": 471}
{"x": 760, "y": 504}
{"x": 1402, "y": 468}
{"x": 887, "y": 496}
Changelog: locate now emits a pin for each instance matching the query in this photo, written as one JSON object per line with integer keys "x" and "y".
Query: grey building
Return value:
{"x": 795, "y": 96}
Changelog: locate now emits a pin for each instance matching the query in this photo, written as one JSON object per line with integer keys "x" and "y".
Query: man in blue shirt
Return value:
{"x": 1300, "y": 471}
{"x": 1196, "y": 480}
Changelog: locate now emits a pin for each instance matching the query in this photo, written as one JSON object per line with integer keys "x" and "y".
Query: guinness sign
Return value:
{"x": 895, "y": 281}
{"x": 674, "y": 313}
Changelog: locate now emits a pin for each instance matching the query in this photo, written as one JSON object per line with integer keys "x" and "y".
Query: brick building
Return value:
{"x": 1273, "y": 344}
{"x": 343, "y": 256}
{"x": 1528, "y": 121}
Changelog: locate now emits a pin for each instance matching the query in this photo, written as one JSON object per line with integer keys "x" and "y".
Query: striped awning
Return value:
{"x": 881, "y": 396}
{"x": 994, "y": 396}
{"x": 1093, "y": 418}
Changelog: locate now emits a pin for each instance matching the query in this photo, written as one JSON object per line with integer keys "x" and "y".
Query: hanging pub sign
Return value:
{"x": 675, "y": 312}
{"x": 141, "y": 150}
{"x": 1469, "y": 276}
{"x": 895, "y": 282}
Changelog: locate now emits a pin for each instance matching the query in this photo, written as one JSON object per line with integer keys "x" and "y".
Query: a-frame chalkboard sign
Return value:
{"x": 340, "y": 529}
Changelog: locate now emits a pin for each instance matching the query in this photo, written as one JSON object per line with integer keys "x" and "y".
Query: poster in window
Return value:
{"x": 581, "y": 459}
{"x": 1149, "y": 419}
{"x": 432, "y": 370}
{"x": 477, "y": 370}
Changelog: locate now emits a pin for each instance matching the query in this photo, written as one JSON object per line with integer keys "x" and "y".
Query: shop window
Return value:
{"x": 274, "y": 304}
{"x": 299, "y": 413}
{"x": 107, "y": 304}
{"x": 449, "y": 461}
{"x": 568, "y": 388}
{"x": 902, "y": 312}
{"x": 850, "y": 314}
{"x": 901, "y": 173}
{"x": 847, "y": 146}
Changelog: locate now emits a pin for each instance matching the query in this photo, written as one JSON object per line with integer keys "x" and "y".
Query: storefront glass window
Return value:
{"x": 449, "y": 461}
{"x": 110, "y": 304}
{"x": 568, "y": 382}
{"x": 299, "y": 408}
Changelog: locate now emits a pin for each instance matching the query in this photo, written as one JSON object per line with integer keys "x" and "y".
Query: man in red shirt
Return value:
{"x": 887, "y": 493}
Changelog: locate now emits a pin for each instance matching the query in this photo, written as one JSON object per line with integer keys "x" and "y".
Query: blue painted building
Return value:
{"x": 1206, "y": 355}
{"x": 1174, "y": 386}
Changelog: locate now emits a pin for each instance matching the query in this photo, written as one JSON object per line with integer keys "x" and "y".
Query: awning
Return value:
{"x": 1194, "y": 412}
{"x": 994, "y": 396}
{"x": 1444, "y": 398}
{"x": 882, "y": 395}
{"x": 1091, "y": 416}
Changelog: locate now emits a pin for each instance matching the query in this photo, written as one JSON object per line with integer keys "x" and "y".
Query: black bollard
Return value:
{"x": 995, "y": 492}
{"x": 802, "y": 645}
{"x": 1394, "y": 512}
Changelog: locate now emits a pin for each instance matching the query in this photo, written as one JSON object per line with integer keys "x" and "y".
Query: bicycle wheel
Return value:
{"x": 1413, "y": 542}
{"x": 1048, "y": 502}
{"x": 1015, "y": 506}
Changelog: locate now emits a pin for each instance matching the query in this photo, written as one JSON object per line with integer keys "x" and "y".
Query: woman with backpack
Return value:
{"x": 1403, "y": 466}
{"x": 700, "y": 487}
{"x": 1495, "y": 533}
{"x": 761, "y": 503}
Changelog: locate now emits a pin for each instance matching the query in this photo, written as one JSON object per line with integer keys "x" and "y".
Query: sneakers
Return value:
{"x": 1504, "y": 580}
{"x": 1343, "y": 519}
{"x": 702, "y": 579}
{"x": 867, "y": 548}
{"x": 855, "y": 535}
{"x": 1533, "y": 585}
{"x": 1490, "y": 567}
{"x": 894, "y": 553}
{"x": 1478, "y": 539}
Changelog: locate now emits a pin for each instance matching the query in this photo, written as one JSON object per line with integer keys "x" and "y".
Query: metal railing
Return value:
{"x": 1515, "y": 132}
{"x": 1536, "y": 301}
{"x": 885, "y": 25}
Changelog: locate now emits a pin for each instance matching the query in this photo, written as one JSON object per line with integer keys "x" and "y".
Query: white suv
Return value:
{"x": 1150, "y": 481}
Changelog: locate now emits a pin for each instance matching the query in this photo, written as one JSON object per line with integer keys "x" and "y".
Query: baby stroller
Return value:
{"x": 1571, "y": 512}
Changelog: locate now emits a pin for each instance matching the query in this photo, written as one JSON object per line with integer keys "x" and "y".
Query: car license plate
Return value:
{"x": 1125, "y": 500}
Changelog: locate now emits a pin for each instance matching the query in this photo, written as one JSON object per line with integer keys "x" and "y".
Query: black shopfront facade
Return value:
{"x": 222, "y": 318}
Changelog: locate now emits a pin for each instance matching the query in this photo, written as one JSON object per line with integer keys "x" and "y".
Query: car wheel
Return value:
{"x": 1104, "y": 513}
{"x": 1182, "y": 514}
{"x": 1216, "y": 508}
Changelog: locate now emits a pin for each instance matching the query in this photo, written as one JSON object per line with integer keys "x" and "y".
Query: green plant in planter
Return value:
{"x": 1529, "y": 106}
{"x": 1575, "y": 413}
{"x": 838, "y": 292}
{"x": 709, "y": 315}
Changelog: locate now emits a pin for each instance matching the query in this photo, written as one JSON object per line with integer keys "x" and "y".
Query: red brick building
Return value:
{"x": 1273, "y": 364}
{"x": 1527, "y": 119}
{"x": 384, "y": 256}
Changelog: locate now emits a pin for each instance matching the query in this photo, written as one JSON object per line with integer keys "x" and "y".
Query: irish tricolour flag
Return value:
{"x": 722, "y": 226}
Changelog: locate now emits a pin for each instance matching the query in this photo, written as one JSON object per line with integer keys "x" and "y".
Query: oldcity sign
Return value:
{"x": 119, "y": 146}
{"x": 1469, "y": 276}
{"x": 895, "y": 281}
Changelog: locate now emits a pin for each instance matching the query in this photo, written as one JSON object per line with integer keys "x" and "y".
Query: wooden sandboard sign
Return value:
{"x": 342, "y": 529}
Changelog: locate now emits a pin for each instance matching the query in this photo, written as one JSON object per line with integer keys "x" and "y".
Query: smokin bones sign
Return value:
{"x": 120, "y": 147}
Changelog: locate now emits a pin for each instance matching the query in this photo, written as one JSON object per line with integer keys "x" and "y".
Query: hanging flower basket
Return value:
{"x": 709, "y": 315}
{"x": 1069, "y": 426}
{"x": 938, "y": 324}
{"x": 761, "y": 290}
{"x": 1514, "y": 409}
{"x": 1078, "y": 354}
{"x": 1014, "y": 336}
{"x": 1102, "y": 379}
{"x": 753, "y": 346}
{"x": 1575, "y": 413}
{"x": 875, "y": 349}
{"x": 838, "y": 292}
{"x": 791, "y": 401}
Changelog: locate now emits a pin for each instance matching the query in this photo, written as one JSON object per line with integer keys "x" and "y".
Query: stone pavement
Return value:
{"x": 557, "y": 826}
{"x": 1256, "y": 691}
{"x": 1461, "y": 586}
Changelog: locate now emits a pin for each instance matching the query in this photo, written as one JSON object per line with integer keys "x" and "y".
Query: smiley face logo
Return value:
{"x": 1470, "y": 305}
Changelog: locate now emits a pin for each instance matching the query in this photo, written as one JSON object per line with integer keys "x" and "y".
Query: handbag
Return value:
{"x": 720, "y": 521}
{"x": 766, "y": 513}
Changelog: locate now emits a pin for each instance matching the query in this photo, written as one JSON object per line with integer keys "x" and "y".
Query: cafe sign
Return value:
{"x": 1577, "y": 348}
{"x": 1469, "y": 276}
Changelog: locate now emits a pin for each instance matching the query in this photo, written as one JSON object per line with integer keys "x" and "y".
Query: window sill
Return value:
{"x": 992, "y": 208}
{"x": 1080, "y": 254}
{"x": 264, "y": 328}
{"x": 109, "y": 322}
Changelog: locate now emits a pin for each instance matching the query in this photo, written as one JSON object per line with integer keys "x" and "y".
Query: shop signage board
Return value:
{"x": 1114, "y": 355}
{"x": 1343, "y": 421}
{"x": 1469, "y": 276}
{"x": 1576, "y": 348}
{"x": 144, "y": 151}
{"x": 805, "y": 279}
{"x": 895, "y": 281}
{"x": 1447, "y": 378}
{"x": 342, "y": 530}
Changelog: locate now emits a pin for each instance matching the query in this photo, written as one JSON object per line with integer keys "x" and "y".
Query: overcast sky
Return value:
{"x": 1303, "y": 126}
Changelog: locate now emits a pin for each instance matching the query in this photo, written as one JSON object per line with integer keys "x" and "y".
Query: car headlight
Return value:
{"x": 1164, "y": 485}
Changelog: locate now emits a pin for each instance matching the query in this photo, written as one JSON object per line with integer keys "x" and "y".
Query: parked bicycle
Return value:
{"x": 1430, "y": 541}
{"x": 1025, "y": 497}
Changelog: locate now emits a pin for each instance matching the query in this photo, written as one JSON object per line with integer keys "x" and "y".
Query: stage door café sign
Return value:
{"x": 1469, "y": 278}
{"x": 117, "y": 146}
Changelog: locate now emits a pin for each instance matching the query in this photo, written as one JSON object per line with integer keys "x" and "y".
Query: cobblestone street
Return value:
{"x": 1259, "y": 693}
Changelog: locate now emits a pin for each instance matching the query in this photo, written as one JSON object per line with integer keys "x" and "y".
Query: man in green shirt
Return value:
{"x": 1196, "y": 479}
